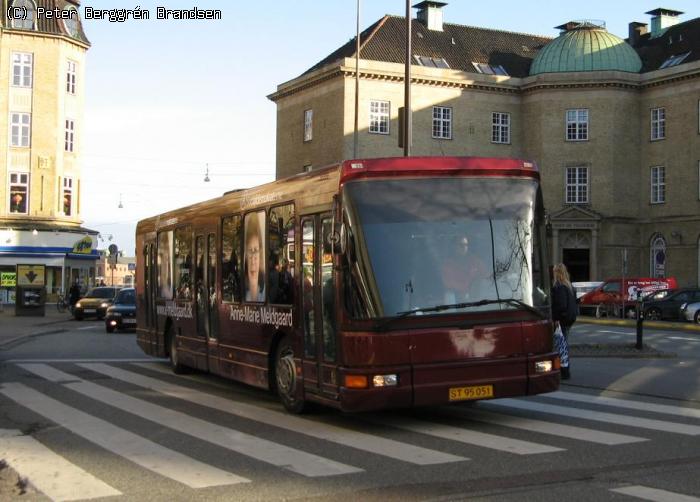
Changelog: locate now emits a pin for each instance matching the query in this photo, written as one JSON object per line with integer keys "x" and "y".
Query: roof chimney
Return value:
{"x": 635, "y": 32}
{"x": 661, "y": 19}
{"x": 430, "y": 14}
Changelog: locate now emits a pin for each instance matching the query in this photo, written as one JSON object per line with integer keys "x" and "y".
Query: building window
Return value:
{"x": 23, "y": 22}
{"x": 657, "y": 254}
{"x": 658, "y": 123}
{"x": 500, "y": 128}
{"x": 67, "y": 195}
{"x": 19, "y": 193}
{"x": 70, "y": 21}
{"x": 431, "y": 62}
{"x": 70, "y": 77}
{"x": 674, "y": 60}
{"x": 379, "y": 117}
{"x": 576, "y": 185}
{"x": 22, "y": 69}
{"x": 308, "y": 125}
{"x": 70, "y": 135}
{"x": 489, "y": 69}
{"x": 658, "y": 185}
{"x": 20, "y": 129}
{"x": 442, "y": 122}
{"x": 577, "y": 125}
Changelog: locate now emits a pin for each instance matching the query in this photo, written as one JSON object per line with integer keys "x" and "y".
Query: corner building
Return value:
{"x": 613, "y": 124}
{"x": 42, "y": 89}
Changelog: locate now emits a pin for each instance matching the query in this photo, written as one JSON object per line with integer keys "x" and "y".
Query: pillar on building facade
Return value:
{"x": 594, "y": 254}
{"x": 555, "y": 245}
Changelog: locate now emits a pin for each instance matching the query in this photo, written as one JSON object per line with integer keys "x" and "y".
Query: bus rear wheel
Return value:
{"x": 287, "y": 384}
{"x": 177, "y": 368}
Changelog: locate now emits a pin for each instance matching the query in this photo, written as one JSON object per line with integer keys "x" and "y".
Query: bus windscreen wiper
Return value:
{"x": 449, "y": 306}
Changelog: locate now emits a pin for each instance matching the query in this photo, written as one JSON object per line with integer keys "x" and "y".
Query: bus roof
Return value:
{"x": 318, "y": 187}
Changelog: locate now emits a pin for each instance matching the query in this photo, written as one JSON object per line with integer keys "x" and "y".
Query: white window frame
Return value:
{"x": 379, "y": 116}
{"x": 22, "y": 69}
{"x": 308, "y": 125}
{"x": 658, "y": 185}
{"x": 69, "y": 139}
{"x": 577, "y": 124}
{"x": 67, "y": 190}
{"x": 20, "y": 130}
{"x": 29, "y": 22}
{"x": 71, "y": 76}
{"x": 442, "y": 122}
{"x": 658, "y": 123}
{"x": 18, "y": 179}
{"x": 576, "y": 185}
{"x": 500, "y": 128}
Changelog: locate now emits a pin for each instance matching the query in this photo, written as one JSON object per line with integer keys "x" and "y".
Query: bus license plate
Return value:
{"x": 473, "y": 392}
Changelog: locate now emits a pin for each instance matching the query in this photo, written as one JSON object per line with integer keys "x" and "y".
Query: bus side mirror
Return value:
{"x": 338, "y": 240}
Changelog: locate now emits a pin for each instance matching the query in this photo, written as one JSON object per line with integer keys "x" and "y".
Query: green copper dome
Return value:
{"x": 586, "y": 46}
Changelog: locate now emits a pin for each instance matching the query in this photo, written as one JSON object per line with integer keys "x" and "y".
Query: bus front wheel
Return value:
{"x": 287, "y": 383}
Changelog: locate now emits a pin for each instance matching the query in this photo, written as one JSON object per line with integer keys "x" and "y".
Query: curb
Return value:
{"x": 678, "y": 326}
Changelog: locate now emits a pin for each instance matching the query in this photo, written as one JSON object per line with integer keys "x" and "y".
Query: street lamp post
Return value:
{"x": 408, "y": 125}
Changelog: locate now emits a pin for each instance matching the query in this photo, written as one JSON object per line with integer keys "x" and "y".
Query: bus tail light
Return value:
{"x": 356, "y": 381}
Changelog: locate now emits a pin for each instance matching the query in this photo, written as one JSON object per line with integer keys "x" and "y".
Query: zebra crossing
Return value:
{"x": 450, "y": 438}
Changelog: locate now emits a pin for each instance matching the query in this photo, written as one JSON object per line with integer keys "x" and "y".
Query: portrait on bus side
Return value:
{"x": 165, "y": 265}
{"x": 254, "y": 253}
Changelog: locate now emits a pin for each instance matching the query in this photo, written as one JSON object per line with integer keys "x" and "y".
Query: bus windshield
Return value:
{"x": 459, "y": 244}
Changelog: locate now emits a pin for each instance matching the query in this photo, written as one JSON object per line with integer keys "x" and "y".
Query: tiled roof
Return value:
{"x": 685, "y": 37}
{"x": 53, "y": 26}
{"x": 459, "y": 45}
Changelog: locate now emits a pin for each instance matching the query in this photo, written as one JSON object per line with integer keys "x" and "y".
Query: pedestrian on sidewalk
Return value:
{"x": 74, "y": 294}
{"x": 564, "y": 309}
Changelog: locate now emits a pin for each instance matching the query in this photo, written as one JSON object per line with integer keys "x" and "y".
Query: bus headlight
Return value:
{"x": 385, "y": 380}
{"x": 543, "y": 366}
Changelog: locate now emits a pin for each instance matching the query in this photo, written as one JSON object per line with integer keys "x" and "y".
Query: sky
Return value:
{"x": 167, "y": 101}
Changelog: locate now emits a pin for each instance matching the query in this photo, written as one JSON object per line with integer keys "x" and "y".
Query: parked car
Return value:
{"x": 666, "y": 304}
{"x": 95, "y": 303}
{"x": 690, "y": 312}
{"x": 122, "y": 314}
{"x": 581, "y": 288}
{"x": 610, "y": 297}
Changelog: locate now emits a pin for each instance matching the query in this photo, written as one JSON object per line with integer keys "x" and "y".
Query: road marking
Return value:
{"x": 462, "y": 435}
{"x": 683, "y": 338}
{"x": 624, "y": 403}
{"x": 93, "y": 360}
{"x": 644, "y": 423}
{"x": 51, "y": 474}
{"x": 567, "y": 431}
{"x": 654, "y": 494}
{"x": 614, "y": 332}
{"x": 86, "y": 327}
{"x": 354, "y": 439}
{"x": 137, "y": 449}
{"x": 255, "y": 447}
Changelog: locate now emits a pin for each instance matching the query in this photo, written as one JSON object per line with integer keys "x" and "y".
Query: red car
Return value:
{"x": 610, "y": 297}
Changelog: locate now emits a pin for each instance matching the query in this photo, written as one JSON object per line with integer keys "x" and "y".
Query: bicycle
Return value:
{"x": 62, "y": 304}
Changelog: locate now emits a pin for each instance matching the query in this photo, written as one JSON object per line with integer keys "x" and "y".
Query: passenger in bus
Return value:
{"x": 254, "y": 276}
{"x": 463, "y": 272}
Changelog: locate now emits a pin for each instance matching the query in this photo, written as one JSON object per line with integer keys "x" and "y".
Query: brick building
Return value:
{"x": 613, "y": 124}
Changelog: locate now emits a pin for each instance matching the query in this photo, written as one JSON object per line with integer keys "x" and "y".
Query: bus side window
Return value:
{"x": 307, "y": 272}
{"x": 280, "y": 269}
{"x": 231, "y": 258}
{"x": 328, "y": 291}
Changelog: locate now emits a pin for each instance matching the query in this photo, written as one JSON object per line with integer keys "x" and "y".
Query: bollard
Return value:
{"x": 640, "y": 322}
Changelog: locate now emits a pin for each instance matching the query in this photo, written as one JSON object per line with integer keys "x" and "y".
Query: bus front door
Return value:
{"x": 318, "y": 293}
{"x": 205, "y": 299}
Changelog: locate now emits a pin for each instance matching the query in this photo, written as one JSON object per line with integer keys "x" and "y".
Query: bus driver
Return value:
{"x": 462, "y": 272}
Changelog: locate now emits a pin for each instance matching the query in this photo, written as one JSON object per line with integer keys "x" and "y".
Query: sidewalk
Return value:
{"x": 13, "y": 328}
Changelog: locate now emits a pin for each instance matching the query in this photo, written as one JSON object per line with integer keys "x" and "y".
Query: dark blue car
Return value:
{"x": 122, "y": 314}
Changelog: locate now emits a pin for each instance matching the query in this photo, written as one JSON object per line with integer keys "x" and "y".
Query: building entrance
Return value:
{"x": 579, "y": 264}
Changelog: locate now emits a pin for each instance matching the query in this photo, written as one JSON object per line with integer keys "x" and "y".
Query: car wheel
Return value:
{"x": 697, "y": 317}
{"x": 599, "y": 311}
{"x": 287, "y": 384}
{"x": 109, "y": 329}
{"x": 653, "y": 314}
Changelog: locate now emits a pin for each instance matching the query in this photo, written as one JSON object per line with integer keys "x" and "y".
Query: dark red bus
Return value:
{"x": 375, "y": 283}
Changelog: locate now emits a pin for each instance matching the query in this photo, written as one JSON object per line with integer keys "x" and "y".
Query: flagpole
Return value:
{"x": 408, "y": 126}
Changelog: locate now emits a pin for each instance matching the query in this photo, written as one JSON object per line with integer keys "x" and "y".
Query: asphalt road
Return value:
{"x": 84, "y": 414}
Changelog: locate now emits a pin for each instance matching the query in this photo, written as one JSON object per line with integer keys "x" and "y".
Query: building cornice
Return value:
{"x": 43, "y": 34}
